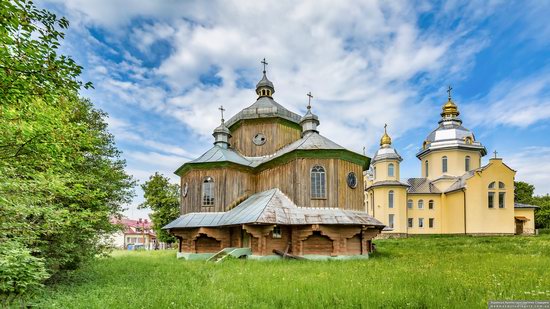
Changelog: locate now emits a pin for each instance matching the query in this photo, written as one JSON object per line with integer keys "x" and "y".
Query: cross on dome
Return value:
{"x": 309, "y": 100}
{"x": 264, "y": 63}
{"x": 449, "y": 91}
{"x": 222, "y": 110}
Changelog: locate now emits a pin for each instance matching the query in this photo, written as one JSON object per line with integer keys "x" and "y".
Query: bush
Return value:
{"x": 20, "y": 272}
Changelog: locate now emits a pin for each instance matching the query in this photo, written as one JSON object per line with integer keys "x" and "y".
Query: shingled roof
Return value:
{"x": 273, "y": 207}
{"x": 421, "y": 185}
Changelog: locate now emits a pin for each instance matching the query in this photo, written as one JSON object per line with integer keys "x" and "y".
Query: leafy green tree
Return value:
{"x": 523, "y": 192}
{"x": 61, "y": 176}
{"x": 162, "y": 197}
{"x": 542, "y": 215}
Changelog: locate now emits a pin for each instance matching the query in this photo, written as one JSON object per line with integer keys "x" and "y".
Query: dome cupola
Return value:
{"x": 265, "y": 88}
{"x": 221, "y": 133}
{"x": 310, "y": 121}
{"x": 385, "y": 141}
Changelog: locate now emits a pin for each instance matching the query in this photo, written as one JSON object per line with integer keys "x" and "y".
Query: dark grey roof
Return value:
{"x": 264, "y": 107}
{"x": 421, "y": 185}
{"x": 521, "y": 205}
{"x": 273, "y": 207}
{"x": 388, "y": 183}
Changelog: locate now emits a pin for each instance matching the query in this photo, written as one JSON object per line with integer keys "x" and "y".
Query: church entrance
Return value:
{"x": 520, "y": 223}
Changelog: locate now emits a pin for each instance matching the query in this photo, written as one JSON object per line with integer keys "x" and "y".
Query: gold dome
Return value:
{"x": 449, "y": 109}
{"x": 386, "y": 139}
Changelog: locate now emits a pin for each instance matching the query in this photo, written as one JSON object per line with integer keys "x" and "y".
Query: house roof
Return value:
{"x": 421, "y": 185}
{"x": 388, "y": 183}
{"x": 264, "y": 107}
{"x": 521, "y": 205}
{"x": 273, "y": 207}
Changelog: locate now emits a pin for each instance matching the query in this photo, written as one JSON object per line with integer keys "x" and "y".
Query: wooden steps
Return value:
{"x": 233, "y": 252}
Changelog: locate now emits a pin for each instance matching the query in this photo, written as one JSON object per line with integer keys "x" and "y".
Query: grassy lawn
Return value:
{"x": 433, "y": 272}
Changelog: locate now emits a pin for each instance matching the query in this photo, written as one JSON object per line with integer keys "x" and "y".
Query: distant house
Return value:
{"x": 135, "y": 234}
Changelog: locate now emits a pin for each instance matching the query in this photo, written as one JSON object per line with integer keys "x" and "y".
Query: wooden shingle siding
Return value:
{"x": 278, "y": 134}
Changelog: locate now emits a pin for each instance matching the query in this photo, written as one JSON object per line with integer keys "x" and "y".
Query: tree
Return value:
{"x": 162, "y": 198}
{"x": 542, "y": 215}
{"x": 523, "y": 192}
{"x": 61, "y": 176}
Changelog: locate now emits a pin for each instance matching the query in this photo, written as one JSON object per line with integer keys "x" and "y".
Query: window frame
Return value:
{"x": 420, "y": 204}
{"x": 431, "y": 204}
{"x": 410, "y": 204}
{"x": 208, "y": 184}
{"x": 391, "y": 220}
{"x": 277, "y": 232}
{"x": 426, "y": 169}
{"x": 444, "y": 164}
{"x": 410, "y": 223}
{"x": 501, "y": 200}
{"x": 431, "y": 223}
{"x": 391, "y": 170}
{"x": 420, "y": 223}
{"x": 318, "y": 182}
{"x": 491, "y": 199}
{"x": 391, "y": 197}
{"x": 467, "y": 163}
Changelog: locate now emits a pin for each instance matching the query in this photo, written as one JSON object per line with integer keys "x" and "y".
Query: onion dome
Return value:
{"x": 309, "y": 121}
{"x": 386, "y": 151}
{"x": 385, "y": 141}
{"x": 221, "y": 133}
{"x": 450, "y": 133}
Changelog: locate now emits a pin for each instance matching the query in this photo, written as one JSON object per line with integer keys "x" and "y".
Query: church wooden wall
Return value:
{"x": 278, "y": 134}
{"x": 231, "y": 186}
{"x": 294, "y": 180}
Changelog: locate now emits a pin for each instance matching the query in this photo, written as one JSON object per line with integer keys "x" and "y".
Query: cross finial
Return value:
{"x": 222, "y": 110}
{"x": 309, "y": 100}
{"x": 495, "y": 152}
{"x": 385, "y": 126}
{"x": 449, "y": 91}
{"x": 264, "y": 63}
{"x": 364, "y": 152}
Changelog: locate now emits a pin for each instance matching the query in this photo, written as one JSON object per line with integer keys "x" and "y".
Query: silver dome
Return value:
{"x": 386, "y": 153}
{"x": 451, "y": 134}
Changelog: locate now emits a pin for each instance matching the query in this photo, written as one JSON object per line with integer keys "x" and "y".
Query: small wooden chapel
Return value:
{"x": 272, "y": 182}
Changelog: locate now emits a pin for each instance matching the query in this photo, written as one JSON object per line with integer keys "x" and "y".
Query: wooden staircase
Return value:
{"x": 226, "y": 252}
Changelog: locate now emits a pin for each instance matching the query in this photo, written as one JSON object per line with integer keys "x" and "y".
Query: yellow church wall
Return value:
{"x": 529, "y": 213}
{"x": 455, "y": 162}
{"x": 480, "y": 219}
{"x": 382, "y": 211}
{"x": 425, "y": 213}
{"x": 382, "y": 170}
{"x": 453, "y": 216}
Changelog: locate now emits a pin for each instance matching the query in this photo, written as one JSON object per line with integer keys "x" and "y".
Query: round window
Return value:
{"x": 352, "y": 180}
{"x": 259, "y": 139}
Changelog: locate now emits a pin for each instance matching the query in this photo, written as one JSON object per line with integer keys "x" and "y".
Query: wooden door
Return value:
{"x": 245, "y": 239}
{"x": 519, "y": 227}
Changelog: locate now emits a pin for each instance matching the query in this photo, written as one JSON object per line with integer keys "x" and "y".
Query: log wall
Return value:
{"x": 277, "y": 132}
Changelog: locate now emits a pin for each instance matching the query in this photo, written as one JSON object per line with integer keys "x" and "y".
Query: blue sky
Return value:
{"x": 161, "y": 69}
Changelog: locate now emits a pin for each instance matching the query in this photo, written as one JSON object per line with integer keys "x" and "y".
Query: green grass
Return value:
{"x": 421, "y": 272}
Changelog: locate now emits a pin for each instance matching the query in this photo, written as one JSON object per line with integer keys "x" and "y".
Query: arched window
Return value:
{"x": 467, "y": 163}
{"x": 420, "y": 204}
{"x": 374, "y": 172}
{"x": 501, "y": 185}
{"x": 390, "y": 199}
{"x": 426, "y": 168}
{"x": 491, "y": 196}
{"x": 318, "y": 182}
{"x": 431, "y": 204}
{"x": 390, "y": 170}
{"x": 444, "y": 164}
{"x": 208, "y": 191}
{"x": 410, "y": 204}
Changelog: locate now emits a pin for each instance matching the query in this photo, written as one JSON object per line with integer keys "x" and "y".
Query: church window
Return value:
{"x": 444, "y": 164}
{"x": 426, "y": 168}
{"x": 501, "y": 185}
{"x": 491, "y": 199}
{"x": 374, "y": 172}
{"x": 492, "y": 185}
{"x": 390, "y": 199}
{"x": 420, "y": 204}
{"x": 208, "y": 191}
{"x": 431, "y": 222}
{"x": 420, "y": 222}
{"x": 501, "y": 199}
{"x": 410, "y": 222}
{"x": 318, "y": 182}
{"x": 390, "y": 170}
{"x": 431, "y": 204}
{"x": 390, "y": 220}
{"x": 276, "y": 233}
{"x": 467, "y": 163}
{"x": 410, "y": 204}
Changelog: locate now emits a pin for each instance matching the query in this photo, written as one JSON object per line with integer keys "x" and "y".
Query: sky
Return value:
{"x": 161, "y": 69}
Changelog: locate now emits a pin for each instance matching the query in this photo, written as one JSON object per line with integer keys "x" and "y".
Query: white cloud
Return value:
{"x": 517, "y": 103}
{"x": 533, "y": 166}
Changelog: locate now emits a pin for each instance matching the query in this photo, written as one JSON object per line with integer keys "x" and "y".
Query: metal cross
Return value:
{"x": 449, "y": 91}
{"x": 264, "y": 63}
{"x": 364, "y": 152}
{"x": 385, "y": 126}
{"x": 309, "y": 100}
{"x": 222, "y": 110}
{"x": 495, "y": 152}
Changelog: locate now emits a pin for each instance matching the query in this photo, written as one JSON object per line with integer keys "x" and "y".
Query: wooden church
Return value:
{"x": 272, "y": 183}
